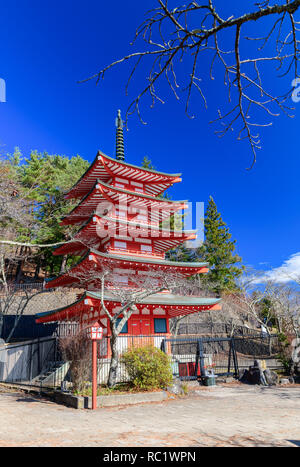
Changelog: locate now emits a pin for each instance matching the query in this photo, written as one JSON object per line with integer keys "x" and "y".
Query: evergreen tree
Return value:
{"x": 147, "y": 164}
{"x": 46, "y": 178}
{"x": 180, "y": 253}
{"x": 219, "y": 251}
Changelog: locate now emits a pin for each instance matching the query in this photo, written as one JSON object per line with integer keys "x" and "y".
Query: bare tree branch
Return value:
{"x": 168, "y": 38}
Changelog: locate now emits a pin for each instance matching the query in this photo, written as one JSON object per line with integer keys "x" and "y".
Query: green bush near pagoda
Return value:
{"x": 148, "y": 367}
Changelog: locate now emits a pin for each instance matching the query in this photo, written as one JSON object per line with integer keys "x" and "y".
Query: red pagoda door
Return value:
{"x": 140, "y": 327}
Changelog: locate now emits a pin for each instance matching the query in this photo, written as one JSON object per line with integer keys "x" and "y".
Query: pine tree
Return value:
{"x": 47, "y": 177}
{"x": 147, "y": 164}
{"x": 219, "y": 251}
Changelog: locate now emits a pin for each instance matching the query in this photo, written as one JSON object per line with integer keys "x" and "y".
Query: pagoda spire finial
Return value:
{"x": 119, "y": 138}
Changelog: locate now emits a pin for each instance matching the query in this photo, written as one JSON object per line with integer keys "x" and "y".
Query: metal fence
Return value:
{"x": 39, "y": 363}
{"x": 191, "y": 357}
{"x": 28, "y": 329}
{"x": 28, "y": 286}
{"x": 29, "y": 363}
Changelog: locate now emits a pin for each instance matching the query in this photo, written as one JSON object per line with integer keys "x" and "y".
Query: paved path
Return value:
{"x": 221, "y": 416}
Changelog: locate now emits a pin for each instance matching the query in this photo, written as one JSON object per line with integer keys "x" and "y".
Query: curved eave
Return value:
{"x": 142, "y": 230}
{"x": 159, "y": 262}
{"x": 133, "y": 198}
{"x": 69, "y": 278}
{"x": 138, "y": 195}
{"x": 134, "y": 173}
{"x": 163, "y": 299}
{"x": 139, "y": 169}
{"x": 175, "y": 305}
{"x": 64, "y": 312}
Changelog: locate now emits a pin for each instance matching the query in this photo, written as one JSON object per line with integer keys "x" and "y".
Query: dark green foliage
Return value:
{"x": 181, "y": 253}
{"x": 148, "y": 367}
{"x": 266, "y": 312}
{"x": 147, "y": 164}
{"x": 219, "y": 251}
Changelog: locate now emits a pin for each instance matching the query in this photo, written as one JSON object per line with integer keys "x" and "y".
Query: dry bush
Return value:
{"x": 76, "y": 349}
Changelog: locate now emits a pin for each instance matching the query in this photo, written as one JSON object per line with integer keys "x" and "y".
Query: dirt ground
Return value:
{"x": 225, "y": 415}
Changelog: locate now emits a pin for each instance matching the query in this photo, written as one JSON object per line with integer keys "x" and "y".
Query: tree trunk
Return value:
{"x": 19, "y": 271}
{"x": 112, "y": 377}
{"x": 16, "y": 322}
{"x": 1, "y": 324}
{"x": 37, "y": 269}
{"x": 176, "y": 329}
{"x": 63, "y": 264}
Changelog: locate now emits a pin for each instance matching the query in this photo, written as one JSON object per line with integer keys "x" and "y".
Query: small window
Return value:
{"x": 120, "y": 244}
{"x": 121, "y": 279}
{"x": 160, "y": 325}
{"x": 125, "y": 327}
{"x": 146, "y": 248}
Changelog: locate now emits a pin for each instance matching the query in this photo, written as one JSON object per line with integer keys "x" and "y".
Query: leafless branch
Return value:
{"x": 168, "y": 38}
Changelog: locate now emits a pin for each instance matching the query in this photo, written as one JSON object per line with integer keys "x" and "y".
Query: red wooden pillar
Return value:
{"x": 94, "y": 374}
{"x": 95, "y": 333}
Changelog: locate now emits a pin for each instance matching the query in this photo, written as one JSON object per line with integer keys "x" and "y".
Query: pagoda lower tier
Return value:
{"x": 87, "y": 272}
{"x": 151, "y": 316}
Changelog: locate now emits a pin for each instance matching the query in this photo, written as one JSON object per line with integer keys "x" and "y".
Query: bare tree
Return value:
{"x": 286, "y": 307}
{"x": 170, "y": 40}
{"x": 194, "y": 286}
{"x": 249, "y": 297}
{"x": 15, "y": 301}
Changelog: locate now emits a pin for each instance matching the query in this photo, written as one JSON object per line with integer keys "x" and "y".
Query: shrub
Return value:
{"x": 148, "y": 367}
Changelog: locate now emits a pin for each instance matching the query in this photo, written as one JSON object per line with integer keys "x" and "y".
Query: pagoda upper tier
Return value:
{"x": 104, "y": 198}
{"x": 116, "y": 172}
{"x": 106, "y": 234}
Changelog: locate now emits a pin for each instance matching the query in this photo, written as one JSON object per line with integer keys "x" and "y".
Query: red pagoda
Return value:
{"x": 120, "y": 216}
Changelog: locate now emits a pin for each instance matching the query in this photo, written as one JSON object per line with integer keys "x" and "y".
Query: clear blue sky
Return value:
{"x": 46, "y": 47}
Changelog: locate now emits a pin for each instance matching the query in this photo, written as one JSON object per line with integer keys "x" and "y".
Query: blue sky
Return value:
{"x": 46, "y": 47}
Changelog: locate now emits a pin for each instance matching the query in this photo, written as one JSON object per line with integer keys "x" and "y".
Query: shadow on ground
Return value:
{"x": 294, "y": 441}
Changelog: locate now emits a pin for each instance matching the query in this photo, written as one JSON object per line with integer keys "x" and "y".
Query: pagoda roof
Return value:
{"x": 101, "y": 192}
{"x": 104, "y": 167}
{"x": 176, "y": 305}
{"x": 95, "y": 261}
{"x": 88, "y": 235}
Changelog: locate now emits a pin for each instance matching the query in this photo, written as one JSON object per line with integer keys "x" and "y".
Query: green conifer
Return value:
{"x": 218, "y": 250}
